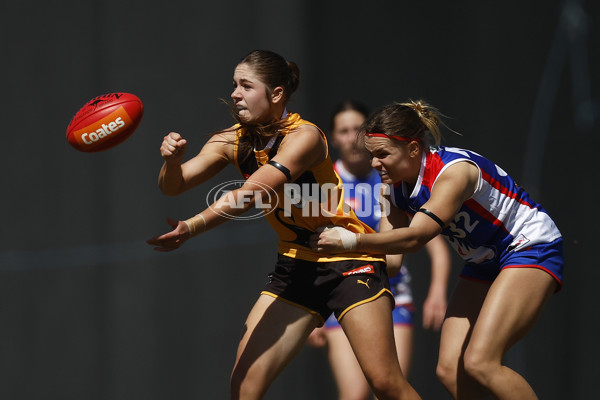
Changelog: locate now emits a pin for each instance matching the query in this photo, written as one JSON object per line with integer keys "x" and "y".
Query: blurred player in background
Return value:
{"x": 361, "y": 188}
{"x": 275, "y": 150}
{"x": 512, "y": 249}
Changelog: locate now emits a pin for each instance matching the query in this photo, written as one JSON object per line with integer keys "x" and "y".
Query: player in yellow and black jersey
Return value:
{"x": 287, "y": 169}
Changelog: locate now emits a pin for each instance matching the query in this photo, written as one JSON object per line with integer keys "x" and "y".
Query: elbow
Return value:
{"x": 170, "y": 191}
{"x": 413, "y": 246}
{"x": 169, "y": 187}
{"x": 171, "y": 184}
{"x": 416, "y": 243}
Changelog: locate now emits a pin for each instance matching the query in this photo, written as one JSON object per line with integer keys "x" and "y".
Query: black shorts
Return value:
{"x": 325, "y": 287}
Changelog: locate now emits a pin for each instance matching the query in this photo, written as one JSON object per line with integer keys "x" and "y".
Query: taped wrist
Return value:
{"x": 196, "y": 225}
{"x": 349, "y": 239}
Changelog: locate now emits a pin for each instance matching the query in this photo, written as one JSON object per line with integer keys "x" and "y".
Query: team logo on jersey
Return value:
{"x": 519, "y": 242}
{"x": 364, "y": 283}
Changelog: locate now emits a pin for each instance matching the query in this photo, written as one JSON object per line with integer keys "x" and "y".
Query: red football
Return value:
{"x": 105, "y": 121}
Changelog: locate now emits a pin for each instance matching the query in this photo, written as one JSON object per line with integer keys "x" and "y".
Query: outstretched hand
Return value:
{"x": 333, "y": 239}
{"x": 172, "y": 240}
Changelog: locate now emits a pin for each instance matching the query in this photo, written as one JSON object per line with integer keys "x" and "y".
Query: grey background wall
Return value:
{"x": 89, "y": 311}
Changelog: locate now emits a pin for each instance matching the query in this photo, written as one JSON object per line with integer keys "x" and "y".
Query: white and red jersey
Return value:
{"x": 500, "y": 216}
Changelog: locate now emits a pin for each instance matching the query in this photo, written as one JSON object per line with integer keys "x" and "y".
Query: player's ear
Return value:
{"x": 413, "y": 148}
{"x": 277, "y": 95}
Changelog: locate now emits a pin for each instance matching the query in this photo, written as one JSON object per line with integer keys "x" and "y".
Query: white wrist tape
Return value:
{"x": 196, "y": 224}
{"x": 348, "y": 239}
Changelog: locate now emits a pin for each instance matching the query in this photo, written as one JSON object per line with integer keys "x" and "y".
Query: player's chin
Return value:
{"x": 244, "y": 116}
{"x": 385, "y": 178}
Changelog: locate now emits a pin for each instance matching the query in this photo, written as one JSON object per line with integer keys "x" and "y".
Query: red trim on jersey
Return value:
{"x": 478, "y": 208}
{"x": 433, "y": 166}
{"x": 502, "y": 189}
{"x": 537, "y": 267}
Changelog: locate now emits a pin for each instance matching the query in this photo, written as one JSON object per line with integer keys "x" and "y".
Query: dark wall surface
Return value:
{"x": 89, "y": 311}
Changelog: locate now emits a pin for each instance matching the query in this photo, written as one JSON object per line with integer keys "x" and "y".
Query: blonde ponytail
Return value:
{"x": 429, "y": 116}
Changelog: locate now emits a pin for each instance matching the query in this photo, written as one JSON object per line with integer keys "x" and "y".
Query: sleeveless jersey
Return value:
{"x": 498, "y": 218}
{"x": 301, "y": 207}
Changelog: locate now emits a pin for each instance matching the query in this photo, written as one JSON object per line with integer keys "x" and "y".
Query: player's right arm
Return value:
{"x": 300, "y": 152}
{"x": 176, "y": 177}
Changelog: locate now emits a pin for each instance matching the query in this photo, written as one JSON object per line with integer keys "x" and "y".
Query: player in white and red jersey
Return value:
{"x": 498, "y": 219}
{"x": 511, "y": 246}
{"x": 361, "y": 191}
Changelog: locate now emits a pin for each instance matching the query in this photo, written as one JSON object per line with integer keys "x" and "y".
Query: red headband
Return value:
{"x": 403, "y": 139}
